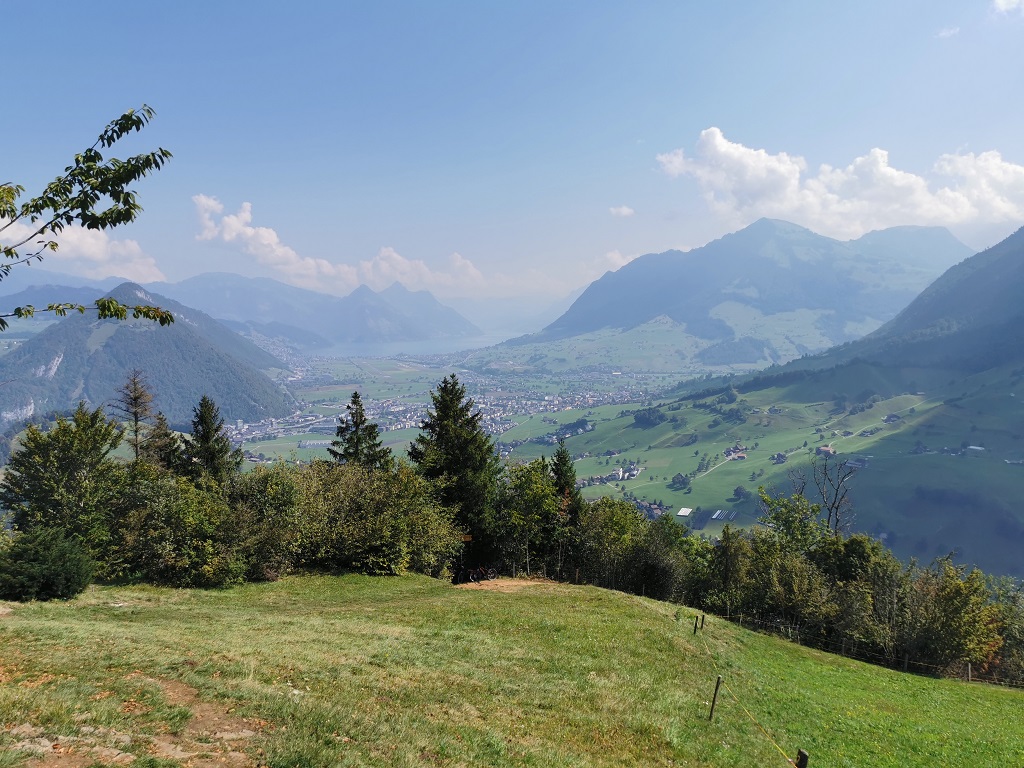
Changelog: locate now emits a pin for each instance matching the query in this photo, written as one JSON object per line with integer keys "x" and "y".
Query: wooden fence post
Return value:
{"x": 714, "y": 699}
{"x": 695, "y": 625}
{"x": 702, "y": 621}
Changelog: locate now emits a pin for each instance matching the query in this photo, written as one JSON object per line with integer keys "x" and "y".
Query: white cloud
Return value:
{"x": 947, "y": 32}
{"x": 622, "y": 211}
{"x": 742, "y": 184}
{"x": 614, "y": 260}
{"x": 387, "y": 267}
{"x": 1005, "y": 6}
{"x": 93, "y": 253}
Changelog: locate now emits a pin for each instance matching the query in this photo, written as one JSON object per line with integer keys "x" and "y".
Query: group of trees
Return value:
{"x": 800, "y": 576}
{"x": 179, "y": 511}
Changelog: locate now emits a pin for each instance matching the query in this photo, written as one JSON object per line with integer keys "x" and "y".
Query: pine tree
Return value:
{"x": 454, "y": 450}
{"x": 209, "y": 450}
{"x": 359, "y": 439}
{"x": 134, "y": 403}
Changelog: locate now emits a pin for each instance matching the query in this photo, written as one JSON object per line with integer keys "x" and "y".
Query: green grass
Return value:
{"x": 411, "y": 671}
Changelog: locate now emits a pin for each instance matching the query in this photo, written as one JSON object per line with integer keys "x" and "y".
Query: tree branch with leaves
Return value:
{"x": 93, "y": 192}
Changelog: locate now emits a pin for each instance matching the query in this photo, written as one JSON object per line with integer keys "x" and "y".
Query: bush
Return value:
{"x": 44, "y": 564}
{"x": 181, "y": 537}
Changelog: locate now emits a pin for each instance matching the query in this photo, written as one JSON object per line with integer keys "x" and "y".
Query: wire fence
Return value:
{"x": 961, "y": 670}
{"x": 777, "y": 628}
{"x": 740, "y": 704}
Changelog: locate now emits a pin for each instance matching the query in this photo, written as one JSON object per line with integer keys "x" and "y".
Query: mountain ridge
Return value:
{"x": 82, "y": 358}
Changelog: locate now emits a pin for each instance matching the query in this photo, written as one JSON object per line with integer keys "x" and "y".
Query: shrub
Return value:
{"x": 44, "y": 564}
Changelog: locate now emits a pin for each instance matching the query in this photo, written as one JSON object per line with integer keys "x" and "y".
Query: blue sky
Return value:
{"x": 517, "y": 149}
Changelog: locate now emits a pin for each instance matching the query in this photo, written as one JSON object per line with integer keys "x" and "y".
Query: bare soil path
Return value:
{"x": 213, "y": 737}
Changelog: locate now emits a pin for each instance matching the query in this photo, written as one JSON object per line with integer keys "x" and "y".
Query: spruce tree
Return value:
{"x": 209, "y": 450}
{"x": 454, "y": 450}
{"x": 64, "y": 478}
{"x": 564, "y": 473}
{"x": 358, "y": 439}
{"x": 134, "y": 404}
{"x": 163, "y": 446}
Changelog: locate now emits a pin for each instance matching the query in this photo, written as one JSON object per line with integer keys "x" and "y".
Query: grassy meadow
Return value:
{"x": 410, "y": 671}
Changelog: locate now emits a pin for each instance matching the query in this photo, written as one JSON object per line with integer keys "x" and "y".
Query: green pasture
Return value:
{"x": 410, "y": 671}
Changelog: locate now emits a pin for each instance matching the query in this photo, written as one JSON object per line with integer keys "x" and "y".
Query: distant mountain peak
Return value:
{"x": 796, "y": 290}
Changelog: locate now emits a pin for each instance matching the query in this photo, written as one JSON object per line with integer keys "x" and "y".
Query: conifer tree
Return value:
{"x": 64, "y": 478}
{"x": 358, "y": 439}
{"x": 209, "y": 450}
{"x": 163, "y": 446}
{"x": 134, "y": 403}
{"x": 569, "y": 497}
{"x": 454, "y": 450}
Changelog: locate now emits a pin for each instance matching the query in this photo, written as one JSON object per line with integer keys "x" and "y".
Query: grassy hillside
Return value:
{"x": 411, "y": 671}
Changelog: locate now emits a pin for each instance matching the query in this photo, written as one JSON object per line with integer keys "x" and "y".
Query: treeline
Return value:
{"x": 180, "y": 512}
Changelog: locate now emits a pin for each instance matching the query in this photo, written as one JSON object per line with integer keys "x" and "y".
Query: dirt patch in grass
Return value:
{"x": 213, "y": 737}
{"x": 509, "y": 585}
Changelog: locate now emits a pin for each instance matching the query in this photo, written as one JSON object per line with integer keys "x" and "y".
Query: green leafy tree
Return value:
{"x": 358, "y": 439}
{"x": 264, "y": 520}
{"x": 527, "y": 520}
{"x": 180, "y": 535}
{"x": 371, "y": 521}
{"x": 93, "y": 192}
{"x": 208, "y": 451}
{"x": 455, "y": 452}
{"x": 727, "y": 571}
{"x": 795, "y": 521}
{"x": 65, "y": 479}
{"x": 609, "y": 533}
{"x": 949, "y": 617}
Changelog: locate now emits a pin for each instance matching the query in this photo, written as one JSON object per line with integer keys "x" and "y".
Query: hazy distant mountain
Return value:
{"x": 39, "y": 296}
{"x": 309, "y": 319}
{"x": 31, "y": 275}
{"x": 970, "y": 319}
{"x": 81, "y": 358}
{"x": 768, "y": 293}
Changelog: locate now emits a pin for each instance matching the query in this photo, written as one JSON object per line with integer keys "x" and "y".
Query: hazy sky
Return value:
{"x": 499, "y": 149}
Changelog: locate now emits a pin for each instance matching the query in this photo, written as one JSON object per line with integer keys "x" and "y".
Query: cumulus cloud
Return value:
{"x": 622, "y": 211}
{"x": 947, "y": 32}
{"x": 94, "y": 254}
{"x": 742, "y": 184}
{"x": 387, "y": 267}
{"x": 1005, "y": 6}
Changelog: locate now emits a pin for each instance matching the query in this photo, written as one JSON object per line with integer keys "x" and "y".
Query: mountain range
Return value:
{"x": 767, "y": 294}
{"x": 82, "y": 358}
{"x": 304, "y": 319}
{"x": 310, "y": 319}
